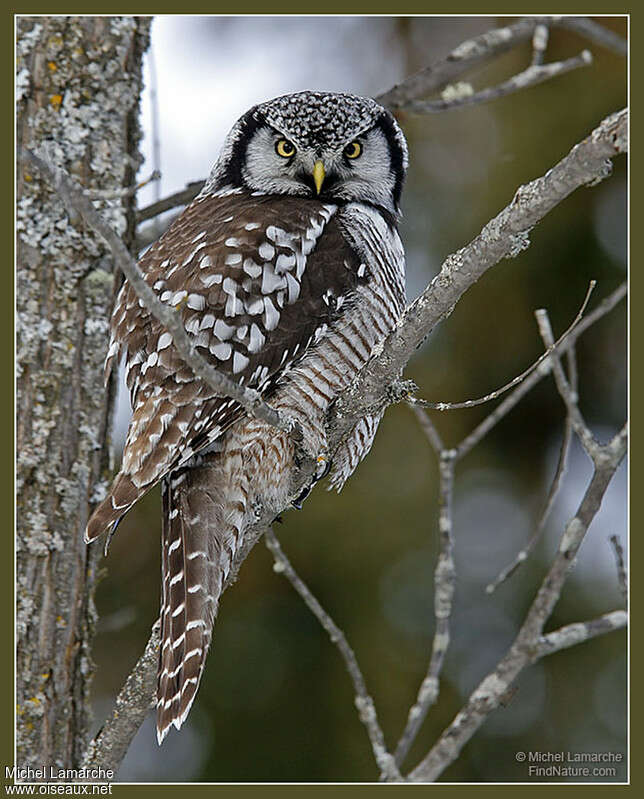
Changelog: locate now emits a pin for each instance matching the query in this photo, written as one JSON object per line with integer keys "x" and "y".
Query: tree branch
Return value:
{"x": 594, "y": 32}
{"x": 462, "y": 95}
{"x": 622, "y": 579}
{"x": 182, "y": 197}
{"x": 462, "y": 59}
{"x": 363, "y": 701}
{"x": 444, "y": 586}
{"x": 528, "y": 645}
{"x": 109, "y": 746}
{"x": 488, "y": 45}
{"x": 578, "y": 633}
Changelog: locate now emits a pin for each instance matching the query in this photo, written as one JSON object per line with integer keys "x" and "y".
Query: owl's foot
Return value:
{"x": 323, "y": 464}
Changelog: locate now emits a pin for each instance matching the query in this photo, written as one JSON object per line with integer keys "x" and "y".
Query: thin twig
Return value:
{"x": 510, "y": 402}
{"x": 182, "y": 197}
{"x": 363, "y": 701}
{"x": 595, "y": 33}
{"x": 622, "y": 579}
{"x": 428, "y": 428}
{"x": 128, "y": 191}
{"x": 531, "y": 76}
{"x": 569, "y": 396}
{"x": 539, "y": 43}
{"x": 578, "y": 633}
{"x": 557, "y": 480}
{"x": 444, "y": 585}
{"x": 555, "y": 486}
{"x": 450, "y": 406}
{"x": 249, "y": 399}
{"x": 462, "y": 59}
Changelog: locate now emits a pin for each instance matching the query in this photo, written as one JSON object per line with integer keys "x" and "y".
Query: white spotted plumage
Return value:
{"x": 287, "y": 285}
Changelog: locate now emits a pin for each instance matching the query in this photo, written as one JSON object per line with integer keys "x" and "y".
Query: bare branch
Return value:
{"x": 128, "y": 191}
{"x": 578, "y": 633}
{"x": 539, "y": 43}
{"x": 110, "y": 745}
{"x": 450, "y": 406}
{"x": 622, "y": 579}
{"x": 428, "y": 428}
{"x": 444, "y": 586}
{"x": 595, "y": 33}
{"x": 363, "y": 701}
{"x": 249, "y": 399}
{"x": 533, "y": 75}
{"x": 557, "y": 480}
{"x": 526, "y": 648}
{"x": 488, "y": 45}
{"x": 569, "y": 397}
{"x": 182, "y": 197}
{"x": 523, "y": 555}
{"x": 462, "y": 59}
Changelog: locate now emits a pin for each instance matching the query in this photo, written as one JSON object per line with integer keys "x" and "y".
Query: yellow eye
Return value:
{"x": 353, "y": 150}
{"x": 285, "y": 148}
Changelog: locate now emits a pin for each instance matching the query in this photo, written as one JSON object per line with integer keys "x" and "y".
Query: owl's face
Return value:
{"x": 333, "y": 147}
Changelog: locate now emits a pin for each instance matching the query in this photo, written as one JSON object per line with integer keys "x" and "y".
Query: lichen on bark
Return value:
{"x": 78, "y": 88}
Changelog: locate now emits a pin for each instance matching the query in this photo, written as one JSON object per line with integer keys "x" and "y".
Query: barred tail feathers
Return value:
{"x": 200, "y": 538}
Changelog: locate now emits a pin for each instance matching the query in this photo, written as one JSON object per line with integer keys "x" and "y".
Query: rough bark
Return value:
{"x": 78, "y": 86}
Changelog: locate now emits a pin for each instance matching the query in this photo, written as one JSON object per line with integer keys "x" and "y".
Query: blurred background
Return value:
{"x": 275, "y": 702}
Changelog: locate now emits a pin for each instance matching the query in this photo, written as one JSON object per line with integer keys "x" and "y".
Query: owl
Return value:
{"x": 287, "y": 270}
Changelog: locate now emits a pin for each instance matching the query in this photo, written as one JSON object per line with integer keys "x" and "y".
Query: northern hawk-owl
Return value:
{"x": 288, "y": 271}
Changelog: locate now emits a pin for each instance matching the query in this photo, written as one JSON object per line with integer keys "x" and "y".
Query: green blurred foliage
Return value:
{"x": 275, "y": 703}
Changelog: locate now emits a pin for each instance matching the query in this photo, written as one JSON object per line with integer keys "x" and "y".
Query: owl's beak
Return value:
{"x": 318, "y": 175}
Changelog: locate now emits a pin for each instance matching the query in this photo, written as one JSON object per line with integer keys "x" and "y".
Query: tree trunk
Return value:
{"x": 78, "y": 87}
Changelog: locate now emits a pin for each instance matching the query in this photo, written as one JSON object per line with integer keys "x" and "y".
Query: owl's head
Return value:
{"x": 334, "y": 147}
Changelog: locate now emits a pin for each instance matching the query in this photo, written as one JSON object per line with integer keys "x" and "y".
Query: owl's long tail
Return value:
{"x": 203, "y": 510}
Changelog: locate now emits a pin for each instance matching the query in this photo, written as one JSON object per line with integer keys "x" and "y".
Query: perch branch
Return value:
{"x": 109, "y": 746}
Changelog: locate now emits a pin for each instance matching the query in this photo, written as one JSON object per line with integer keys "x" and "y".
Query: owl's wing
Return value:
{"x": 258, "y": 281}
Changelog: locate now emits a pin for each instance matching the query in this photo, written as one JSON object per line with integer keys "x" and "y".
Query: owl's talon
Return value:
{"x": 299, "y": 500}
{"x": 322, "y": 468}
